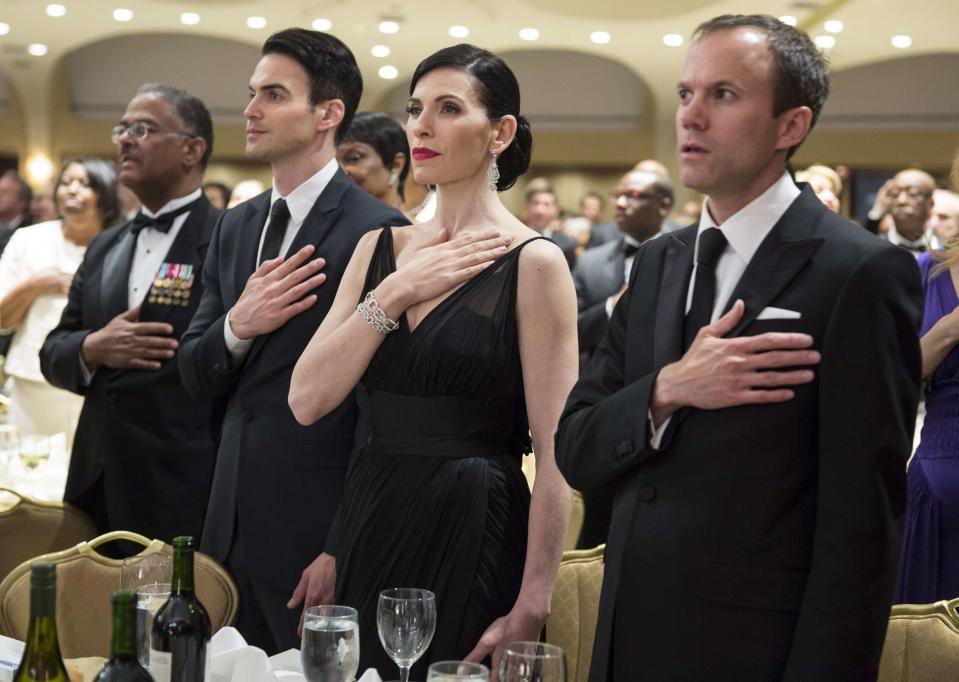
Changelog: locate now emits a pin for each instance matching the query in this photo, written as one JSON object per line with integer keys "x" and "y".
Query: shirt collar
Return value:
{"x": 629, "y": 240}
{"x": 300, "y": 201}
{"x": 897, "y": 238}
{"x": 746, "y": 229}
{"x": 173, "y": 204}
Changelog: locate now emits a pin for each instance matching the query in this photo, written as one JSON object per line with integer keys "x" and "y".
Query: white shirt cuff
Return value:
{"x": 610, "y": 304}
{"x": 238, "y": 347}
{"x": 86, "y": 375}
{"x": 656, "y": 434}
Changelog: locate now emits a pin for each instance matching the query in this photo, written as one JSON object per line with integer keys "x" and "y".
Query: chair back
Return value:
{"x": 85, "y": 581}
{"x": 922, "y": 643}
{"x": 29, "y": 528}
{"x": 575, "y": 608}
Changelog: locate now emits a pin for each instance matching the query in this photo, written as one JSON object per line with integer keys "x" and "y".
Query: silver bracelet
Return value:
{"x": 370, "y": 310}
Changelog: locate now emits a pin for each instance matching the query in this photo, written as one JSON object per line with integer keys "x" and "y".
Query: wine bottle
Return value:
{"x": 179, "y": 645}
{"x": 123, "y": 665}
{"x": 41, "y": 660}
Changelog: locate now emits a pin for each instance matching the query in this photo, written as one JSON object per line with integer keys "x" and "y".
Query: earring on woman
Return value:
{"x": 492, "y": 173}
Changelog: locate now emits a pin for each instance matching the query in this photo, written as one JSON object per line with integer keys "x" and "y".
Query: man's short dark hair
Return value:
{"x": 595, "y": 195}
{"x": 24, "y": 192}
{"x": 541, "y": 189}
{"x": 802, "y": 72}
{"x": 330, "y": 65}
{"x": 190, "y": 109}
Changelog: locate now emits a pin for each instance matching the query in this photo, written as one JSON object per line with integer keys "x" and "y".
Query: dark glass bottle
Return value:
{"x": 181, "y": 630}
{"x": 123, "y": 665}
{"x": 41, "y": 660}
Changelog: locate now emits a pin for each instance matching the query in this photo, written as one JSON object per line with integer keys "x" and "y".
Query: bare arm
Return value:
{"x": 938, "y": 341}
{"x": 17, "y": 302}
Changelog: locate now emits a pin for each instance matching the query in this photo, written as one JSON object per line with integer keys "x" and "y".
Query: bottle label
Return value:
{"x": 161, "y": 664}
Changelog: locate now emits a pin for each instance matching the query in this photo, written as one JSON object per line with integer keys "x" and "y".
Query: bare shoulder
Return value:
{"x": 542, "y": 258}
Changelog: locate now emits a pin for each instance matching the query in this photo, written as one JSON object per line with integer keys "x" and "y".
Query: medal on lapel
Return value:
{"x": 172, "y": 284}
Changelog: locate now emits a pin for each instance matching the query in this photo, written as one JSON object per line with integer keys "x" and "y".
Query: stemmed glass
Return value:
{"x": 406, "y": 621}
{"x": 149, "y": 576}
{"x": 532, "y": 662}
{"x": 330, "y": 651}
{"x": 457, "y": 671}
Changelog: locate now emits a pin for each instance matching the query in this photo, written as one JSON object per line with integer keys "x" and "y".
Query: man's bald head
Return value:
{"x": 652, "y": 166}
{"x": 911, "y": 195}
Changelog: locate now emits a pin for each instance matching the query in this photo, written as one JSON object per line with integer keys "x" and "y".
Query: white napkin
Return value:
{"x": 232, "y": 660}
{"x": 370, "y": 676}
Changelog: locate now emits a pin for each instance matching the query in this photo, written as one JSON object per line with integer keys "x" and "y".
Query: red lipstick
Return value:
{"x": 422, "y": 153}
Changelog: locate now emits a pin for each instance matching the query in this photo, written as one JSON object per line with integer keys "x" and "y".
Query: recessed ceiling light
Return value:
{"x": 834, "y": 26}
{"x": 459, "y": 31}
{"x": 190, "y": 18}
{"x": 381, "y": 51}
{"x": 388, "y": 72}
{"x": 901, "y": 42}
{"x": 528, "y": 34}
{"x": 825, "y": 42}
{"x": 322, "y": 24}
{"x": 389, "y": 26}
{"x": 122, "y": 14}
{"x": 600, "y": 37}
{"x": 672, "y": 40}
{"x": 37, "y": 49}
{"x": 56, "y": 10}
{"x": 255, "y": 22}
{"x": 789, "y": 20}
{"x": 4, "y": 28}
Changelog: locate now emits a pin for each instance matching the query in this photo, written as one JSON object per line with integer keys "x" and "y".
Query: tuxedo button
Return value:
{"x": 647, "y": 493}
{"x": 248, "y": 416}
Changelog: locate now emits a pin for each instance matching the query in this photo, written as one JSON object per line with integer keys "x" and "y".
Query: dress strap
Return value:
{"x": 382, "y": 262}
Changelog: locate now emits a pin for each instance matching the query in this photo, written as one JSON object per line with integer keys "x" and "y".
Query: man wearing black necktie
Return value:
{"x": 144, "y": 448}
{"x": 275, "y": 263}
{"x": 753, "y": 400}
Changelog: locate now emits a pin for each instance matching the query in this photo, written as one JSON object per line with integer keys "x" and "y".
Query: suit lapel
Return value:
{"x": 671, "y": 308}
{"x": 115, "y": 276}
{"x": 614, "y": 272}
{"x": 248, "y": 238}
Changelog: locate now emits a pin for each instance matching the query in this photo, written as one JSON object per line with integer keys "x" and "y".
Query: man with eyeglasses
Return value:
{"x": 907, "y": 200}
{"x": 144, "y": 449}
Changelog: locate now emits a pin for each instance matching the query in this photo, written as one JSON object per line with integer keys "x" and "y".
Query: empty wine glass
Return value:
{"x": 330, "y": 651}
{"x": 406, "y": 621}
{"x": 457, "y": 671}
{"x": 532, "y": 662}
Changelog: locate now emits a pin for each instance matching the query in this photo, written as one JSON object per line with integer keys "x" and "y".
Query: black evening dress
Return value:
{"x": 436, "y": 498}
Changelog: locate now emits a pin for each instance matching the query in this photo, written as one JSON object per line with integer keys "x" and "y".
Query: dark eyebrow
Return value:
{"x": 270, "y": 86}
{"x": 440, "y": 98}
{"x": 725, "y": 83}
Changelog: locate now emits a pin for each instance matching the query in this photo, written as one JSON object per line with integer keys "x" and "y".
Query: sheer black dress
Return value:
{"x": 436, "y": 498}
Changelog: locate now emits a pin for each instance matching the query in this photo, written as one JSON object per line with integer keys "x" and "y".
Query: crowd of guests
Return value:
{"x": 334, "y": 390}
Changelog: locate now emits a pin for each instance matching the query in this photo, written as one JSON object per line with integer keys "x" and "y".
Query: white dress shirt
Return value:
{"x": 300, "y": 202}
{"x": 627, "y": 268}
{"x": 927, "y": 242}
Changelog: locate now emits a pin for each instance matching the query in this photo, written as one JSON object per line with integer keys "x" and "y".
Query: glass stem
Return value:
{"x": 404, "y": 673}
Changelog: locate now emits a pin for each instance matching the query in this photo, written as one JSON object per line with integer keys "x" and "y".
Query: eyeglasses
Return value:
{"x": 632, "y": 195}
{"x": 140, "y": 131}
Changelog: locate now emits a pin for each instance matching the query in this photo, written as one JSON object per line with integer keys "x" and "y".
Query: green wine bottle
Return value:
{"x": 41, "y": 660}
{"x": 123, "y": 665}
{"x": 179, "y": 645}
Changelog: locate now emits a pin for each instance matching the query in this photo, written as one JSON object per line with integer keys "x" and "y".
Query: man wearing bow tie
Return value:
{"x": 907, "y": 199}
{"x": 144, "y": 449}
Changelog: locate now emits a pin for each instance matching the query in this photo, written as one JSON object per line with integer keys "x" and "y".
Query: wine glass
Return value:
{"x": 457, "y": 671}
{"x": 9, "y": 442}
{"x": 406, "y": 621}
{"x": 532, "y": 662}
{"x": 330, "y": 651}
{"x": 149, "y": 576}
{"x": 34, "y": 450}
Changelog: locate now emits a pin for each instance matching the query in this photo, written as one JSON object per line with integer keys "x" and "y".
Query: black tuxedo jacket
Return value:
{"x": 759, "y": 542}
{"x": 603, "y": 233}
{"x": 277, "y": 483}
{"x": 153, "y": 444}
{"x": 599, "y": 273}
{"x": 566, "y": 244}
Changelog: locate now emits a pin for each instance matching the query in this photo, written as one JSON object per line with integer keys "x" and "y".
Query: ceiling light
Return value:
{"x": 322, "y": 24}
{"x": 388, "y": 72}
{"x": 190, "y": 18}
{"x": 37, "y": 49}
{"x": 255, "y": 22}
{"x": 56, "y": 10}
{"x": 528, "y": 34}
{"x": 834, "y": 26}
{"x": 789, "y": 20}
{"x": 459, "y": 32}
{"x": 380, "y": 51}
{"x": 672, "y": 40}
{"x": 600, "y": 37}
{"x": 4, "y": 28}
{"x": 122, "y": 14}
{"x": 825, "y": 42}
{"x": 901, "y": 42}
{"x": 39, "y": 168}
{"x": 389, "y": 26}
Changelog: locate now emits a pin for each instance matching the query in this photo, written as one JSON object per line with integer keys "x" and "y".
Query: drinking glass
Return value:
{"x": 406, "y": 621}
{"x": 149, "y": 576}
{"x": 457, "y": 671}
{"x": 330, "y": 651}
{"x": 532, "y": 662}
{"x": 34, "y": 450}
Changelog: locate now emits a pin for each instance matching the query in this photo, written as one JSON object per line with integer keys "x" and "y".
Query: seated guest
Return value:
{"x": 542, "y": 214}
{"x": 376, "y": 156}
{"x": 217, "y": 193}
{"x": 15, "y": 196}
{"x": 943, "y": 220}
{"x": 825, "y": 182}
{"x": 905, "y": 202}
{"x": 35, "y": 274}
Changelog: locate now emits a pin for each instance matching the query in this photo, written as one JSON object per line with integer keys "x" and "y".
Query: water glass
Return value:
{"x": 330, "y": 651}
{"x": 406, "y": 621}
{"x": 532, "y": 662}
{"x": 150, "y": 577}
{"x": 149, "y": 600}
{"x": 34, "y": 450}
{"x": 457, "y": 671}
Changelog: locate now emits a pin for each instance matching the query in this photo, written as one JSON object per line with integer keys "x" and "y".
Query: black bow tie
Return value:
{"x": 629, "y": 250}
{"x": 161, "y": 223}
{"x": 914, "y": 248}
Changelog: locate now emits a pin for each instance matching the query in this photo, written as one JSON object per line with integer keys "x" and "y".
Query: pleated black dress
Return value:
{"x": 436, "y": 498}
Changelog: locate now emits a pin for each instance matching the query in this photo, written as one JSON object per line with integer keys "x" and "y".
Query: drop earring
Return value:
{"x": 492, "y": 173}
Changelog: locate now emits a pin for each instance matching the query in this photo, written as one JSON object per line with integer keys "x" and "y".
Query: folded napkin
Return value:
{"x": 232, "y": 660}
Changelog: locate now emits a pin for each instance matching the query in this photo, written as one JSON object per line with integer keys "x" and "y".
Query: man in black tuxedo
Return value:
{"x": 278, "y": 484}
{"x": 753, "y": 400}
{"x": 643, "y": 200}
{"x": 542, "y": 215}
{"x": 15, "y": 197}
{"x": 144, "y": 449}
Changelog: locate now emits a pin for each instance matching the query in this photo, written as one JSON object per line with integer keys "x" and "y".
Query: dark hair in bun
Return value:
{"x": 498, "y": 92}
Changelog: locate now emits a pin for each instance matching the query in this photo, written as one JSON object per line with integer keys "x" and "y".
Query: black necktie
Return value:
{"x": 162, "y": 222}
{"x": 712, "y": 242}
{"x": 275, "y": 231}
{"x": 629, "y": 250}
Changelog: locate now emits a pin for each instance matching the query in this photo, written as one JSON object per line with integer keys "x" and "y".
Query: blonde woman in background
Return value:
{"x": 825, "y": 182}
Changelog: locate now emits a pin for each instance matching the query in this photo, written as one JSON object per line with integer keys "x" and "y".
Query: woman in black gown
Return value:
{"x": 483, "y": 351}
